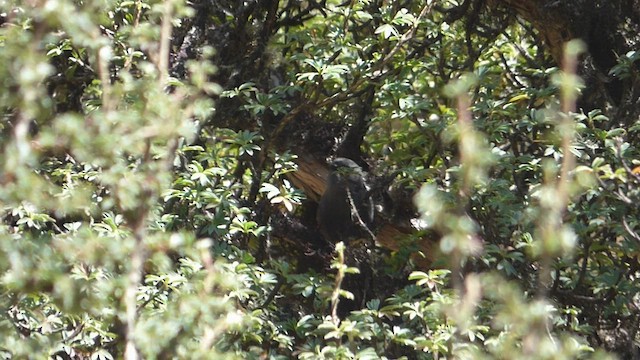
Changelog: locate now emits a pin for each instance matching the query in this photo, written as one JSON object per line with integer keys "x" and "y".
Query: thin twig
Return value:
{"x": 335, "y": 296}
{"x": 165, "y": 42}
{"x": 139, "y": 253}
{"x": 356, "y": 214}
{"x": 630, "y": 231}
{"x": 407, "y": 35}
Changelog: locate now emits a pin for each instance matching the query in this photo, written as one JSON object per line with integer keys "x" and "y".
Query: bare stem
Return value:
{"x": 335, "y": 296}
{"x": 165, "y": 42}
{"x": 130, "y": 297}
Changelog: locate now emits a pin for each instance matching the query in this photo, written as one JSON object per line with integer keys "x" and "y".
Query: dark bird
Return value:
{"x": 345, "y": 210}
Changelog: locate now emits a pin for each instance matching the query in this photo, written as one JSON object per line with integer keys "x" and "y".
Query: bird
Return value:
{"x": 346, "y": 209}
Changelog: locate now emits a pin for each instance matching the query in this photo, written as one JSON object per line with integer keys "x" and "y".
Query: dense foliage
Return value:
{"x": 146, "y": 167}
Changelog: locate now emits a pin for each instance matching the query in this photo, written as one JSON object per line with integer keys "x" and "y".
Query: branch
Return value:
{"x": 335, "y": 296}
{"x": 376, "y": 72}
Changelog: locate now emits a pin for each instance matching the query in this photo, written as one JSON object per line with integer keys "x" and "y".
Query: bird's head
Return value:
{"x": 346, "y": 168}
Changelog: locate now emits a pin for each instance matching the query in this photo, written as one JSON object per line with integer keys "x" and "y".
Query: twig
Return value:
{"x": 356, "y": 214}
{"x": 74, "y": 333}
{"x": 139, "y": 253}
{"x": 407, "y": 35}
{"x": 165, "y": 42}
{"x": 273, "y": 292}
{"x": 335, "y": 296}
{"x": 630, "y": 231}
{"x": 624, "y": 163}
